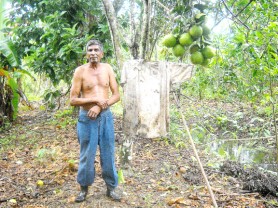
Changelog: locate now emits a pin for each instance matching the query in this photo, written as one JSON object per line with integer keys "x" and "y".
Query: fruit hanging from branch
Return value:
{"x": 197, "y": 58}
{"x": 186, "y": 39}
{"x": 169, "y": 41}
{"x": 208, "y": 52}
{"x": 196, "y": 31}
{"x": 178, "y": 50}
{"x": 205, "y": 62}
{"x": 191, "y": 35}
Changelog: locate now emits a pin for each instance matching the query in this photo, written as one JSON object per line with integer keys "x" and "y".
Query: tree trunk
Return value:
{"x": 111, "y": 17}
{"x": 145, "y": 27}
{"x": 117, "y": 4}
{"x": 133, "y": 34}
{"x": 6, "y": 109}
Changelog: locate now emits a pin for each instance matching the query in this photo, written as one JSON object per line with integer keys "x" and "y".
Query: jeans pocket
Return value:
{"x": 83, "y": 119}
{"x": 83, "y": 129}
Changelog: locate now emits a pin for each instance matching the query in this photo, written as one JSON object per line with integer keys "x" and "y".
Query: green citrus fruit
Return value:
{"x": 197, "y": 58}
{"x": 186, "y": 39}
{"x": 206, "y": 30}
{"x": 196, "y": 31}
{"x": 205, "y": 62}
{"x": 208, "y": 52}
{"x": 169, "y": 40}
{"x": 178, "y": 50}
{"x": 194, "y": 48}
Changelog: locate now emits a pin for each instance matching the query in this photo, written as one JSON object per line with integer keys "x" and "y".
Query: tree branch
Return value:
{"x": 233, "y": 3}
{"x": 233, "y": 15}
{"x": 251, "y": 13}
{"x": 250, "y": 1}
{"x": 217, "y": 23}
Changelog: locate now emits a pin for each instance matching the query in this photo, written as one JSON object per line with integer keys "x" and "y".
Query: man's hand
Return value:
{"x": 94, "y": 111}
{"x": 103, "y": 104}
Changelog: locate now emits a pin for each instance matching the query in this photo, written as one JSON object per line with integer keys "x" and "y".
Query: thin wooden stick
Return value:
{"x": 196, "y": 154}
{"x": 243, "y": 139}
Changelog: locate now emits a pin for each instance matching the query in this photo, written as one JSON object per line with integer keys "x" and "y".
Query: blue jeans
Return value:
{"x": 92, "y": 133}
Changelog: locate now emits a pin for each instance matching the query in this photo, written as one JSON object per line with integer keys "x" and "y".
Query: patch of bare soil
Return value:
{"x": 160, "y": 175}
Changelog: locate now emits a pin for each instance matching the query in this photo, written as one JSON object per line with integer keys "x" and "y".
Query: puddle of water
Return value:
{"x": 261, "y": 157}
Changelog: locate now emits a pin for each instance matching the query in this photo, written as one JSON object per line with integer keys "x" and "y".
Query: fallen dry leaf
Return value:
{"x": 71, "y": 199}
{"x": 178, "y": 200}
{"x": 182, "y": 169}
{"x": 194, "y": 196}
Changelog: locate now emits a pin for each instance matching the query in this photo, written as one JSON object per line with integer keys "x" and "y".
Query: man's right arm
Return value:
{"x": 75, "y": 100}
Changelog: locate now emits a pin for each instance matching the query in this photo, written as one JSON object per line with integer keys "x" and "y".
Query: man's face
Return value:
{"x": 94, "y": 54}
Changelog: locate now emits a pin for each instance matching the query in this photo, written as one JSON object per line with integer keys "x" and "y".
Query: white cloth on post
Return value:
{"x": 146, "y": 87}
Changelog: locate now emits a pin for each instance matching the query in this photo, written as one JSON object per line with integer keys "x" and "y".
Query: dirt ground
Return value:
{"x": 160, "y": 175}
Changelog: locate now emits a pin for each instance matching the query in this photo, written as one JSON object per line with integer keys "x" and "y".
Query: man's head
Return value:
{"x": 94, "y": 42}
{"x": 94, "y": 51}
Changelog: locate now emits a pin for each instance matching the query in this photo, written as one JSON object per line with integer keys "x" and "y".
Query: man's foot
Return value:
{"x": 111, "y": 193}
{"x": 82, "y": 195}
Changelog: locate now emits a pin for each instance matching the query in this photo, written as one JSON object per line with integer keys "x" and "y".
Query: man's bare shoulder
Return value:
{"x": 79, "y": 70}
{"x": 82, "y": 67}
{"x": 107, "y": 66}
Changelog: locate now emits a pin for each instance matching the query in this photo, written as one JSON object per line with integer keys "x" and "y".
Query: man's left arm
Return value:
{"x": 113, "y": 85}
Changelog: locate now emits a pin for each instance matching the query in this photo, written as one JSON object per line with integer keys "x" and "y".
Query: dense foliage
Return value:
{"x": 50, "y": 35}
{"x": 47, "y": 38}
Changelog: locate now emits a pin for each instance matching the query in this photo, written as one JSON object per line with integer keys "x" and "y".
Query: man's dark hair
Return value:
{"x": 94, "y": 42}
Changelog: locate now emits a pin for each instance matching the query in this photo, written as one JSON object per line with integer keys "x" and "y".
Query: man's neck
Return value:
{"x": 94, "y": 65}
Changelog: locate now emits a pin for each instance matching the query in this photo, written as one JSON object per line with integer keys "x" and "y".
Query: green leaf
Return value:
{"x": 200, "y": 16}
{"x": 47, "y": 96}
{"x": 23, "y": 71}
{"x": 222, "y": 152}
{"x": 121, "y": 176}
{"x": 7, "y": 48}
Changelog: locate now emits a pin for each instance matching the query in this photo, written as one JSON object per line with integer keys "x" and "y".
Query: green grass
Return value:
{"x": 117, "y": 109}
{"x": 15, "y": 141}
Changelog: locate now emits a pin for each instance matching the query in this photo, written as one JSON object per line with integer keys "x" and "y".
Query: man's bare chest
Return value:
{"x": 95, "y": 80}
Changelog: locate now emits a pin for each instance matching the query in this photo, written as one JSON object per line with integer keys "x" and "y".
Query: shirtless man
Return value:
{"x": 90, "y": 90}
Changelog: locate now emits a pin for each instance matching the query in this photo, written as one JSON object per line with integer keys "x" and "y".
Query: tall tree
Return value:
{"x": 145, "y": 28}
{"x": 113, "y": 25}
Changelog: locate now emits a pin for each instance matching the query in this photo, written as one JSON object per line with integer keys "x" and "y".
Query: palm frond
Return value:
{"x": 8, "y": 49}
